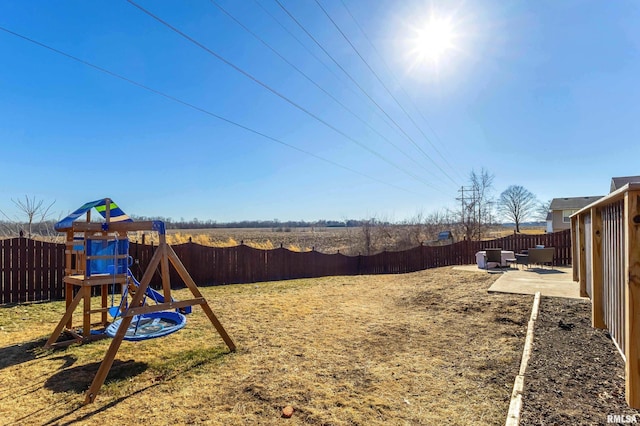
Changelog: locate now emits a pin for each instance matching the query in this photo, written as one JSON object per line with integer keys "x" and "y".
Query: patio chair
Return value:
{"x": 541, "y": 256}
{"x": 492, "y": 255}
{"x": 522, "y": 259}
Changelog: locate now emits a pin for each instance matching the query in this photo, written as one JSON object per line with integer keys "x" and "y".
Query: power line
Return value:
{"x": 275, "y": 92}
{"x": 323, "y": 63}
{"x": 197, "y": 108}
{"x": 360, "y": 94}
{"x": 306, "y": 76}
{"x": 389, "y": 70}
{"x": 304, "y": 46}
{"x": 375, "y": 74}
{"x": 358, "y": 85}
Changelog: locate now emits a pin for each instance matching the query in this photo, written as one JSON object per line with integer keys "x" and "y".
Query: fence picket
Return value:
{"x": 23, "y": 270}
{"x": 30, "y": 261}
{"x": 6, "y": 270}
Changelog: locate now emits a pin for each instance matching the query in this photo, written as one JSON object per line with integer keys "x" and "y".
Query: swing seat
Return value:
{"x": 149, "y": 326}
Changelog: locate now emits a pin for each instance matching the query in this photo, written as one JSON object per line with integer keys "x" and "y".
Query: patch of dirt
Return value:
{"x": 575, "y": 374}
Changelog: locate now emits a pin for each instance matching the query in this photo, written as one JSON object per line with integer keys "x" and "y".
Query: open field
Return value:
{"x": 499, "y": 232}
{"x": 349, "y": 241}
{"x": 431, "y": 347}
{"x": 325, "y": 240}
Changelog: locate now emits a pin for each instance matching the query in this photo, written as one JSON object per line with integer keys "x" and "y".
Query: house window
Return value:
{"x": 566, "y": 215}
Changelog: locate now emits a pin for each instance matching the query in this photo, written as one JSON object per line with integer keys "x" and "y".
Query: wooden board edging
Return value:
{"x": 515, "y": 406}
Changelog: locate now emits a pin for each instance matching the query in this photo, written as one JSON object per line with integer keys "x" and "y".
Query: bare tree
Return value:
{"x": 367, "y": 236}
{"x": 517, "y": 204}
{"x": 543, "y": 209}
{"x": 376, "y": 235}
{"x": 424, "y": 228}
{"x": 476, "y": 204}
{"x": 35, "y": 211}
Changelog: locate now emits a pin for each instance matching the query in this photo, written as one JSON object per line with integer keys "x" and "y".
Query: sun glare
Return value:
{"x": 431, "y": 41}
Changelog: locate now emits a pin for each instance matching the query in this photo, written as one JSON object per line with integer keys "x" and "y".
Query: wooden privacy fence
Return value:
{"x": 33, "y": 270}
{"x": 606, "y": 237}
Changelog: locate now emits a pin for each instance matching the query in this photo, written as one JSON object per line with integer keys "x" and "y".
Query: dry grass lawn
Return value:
{"x": 431, "y": 347}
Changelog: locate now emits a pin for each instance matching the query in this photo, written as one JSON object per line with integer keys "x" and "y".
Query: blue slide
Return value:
{"x": 158, "y": 297}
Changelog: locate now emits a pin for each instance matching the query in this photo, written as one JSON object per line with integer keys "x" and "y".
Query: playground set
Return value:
{"x": 97, "y": 256}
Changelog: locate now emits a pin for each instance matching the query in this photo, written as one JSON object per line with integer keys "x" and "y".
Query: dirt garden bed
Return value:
{"x": 575, "y": 374}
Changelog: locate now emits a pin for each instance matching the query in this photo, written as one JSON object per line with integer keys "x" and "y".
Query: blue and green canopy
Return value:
{"x": 115, "y": 215}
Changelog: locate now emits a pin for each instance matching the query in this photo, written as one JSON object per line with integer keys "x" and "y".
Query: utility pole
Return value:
{"x": 477, "y": 197}
{"x": 461, "y": 198}
{"x": 463, "y": 207}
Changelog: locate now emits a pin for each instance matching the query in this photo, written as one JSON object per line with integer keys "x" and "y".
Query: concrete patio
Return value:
{"x": 553, "y": 282}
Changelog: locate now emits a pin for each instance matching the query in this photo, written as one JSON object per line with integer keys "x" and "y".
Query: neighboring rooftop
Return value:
{"x": 619, "y": 182}
{"x": 570, "y": 203}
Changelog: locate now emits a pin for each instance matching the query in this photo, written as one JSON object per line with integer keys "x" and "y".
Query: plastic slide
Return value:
{"x": 157, "y": 296}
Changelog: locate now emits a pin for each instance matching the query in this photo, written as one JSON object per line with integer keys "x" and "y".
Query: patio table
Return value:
{"x": 505, "y": 254}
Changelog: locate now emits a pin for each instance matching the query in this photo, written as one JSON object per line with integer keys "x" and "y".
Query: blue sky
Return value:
{"x": 541, "y": 94}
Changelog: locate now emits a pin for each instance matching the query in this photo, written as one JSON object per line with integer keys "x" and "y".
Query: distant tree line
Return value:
{"x": 16, "y": 228}
{"x": 10, "y": 228}
{"x": 40, "y": 227}
{"x": 275, "y": 224}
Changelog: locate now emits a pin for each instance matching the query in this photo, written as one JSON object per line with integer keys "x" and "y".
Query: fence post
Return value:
{"x": 597, "y": 308}
{"x": 582, "y": 274}
{"x": 632, "y": 297}
{"x": 575, "y": 259}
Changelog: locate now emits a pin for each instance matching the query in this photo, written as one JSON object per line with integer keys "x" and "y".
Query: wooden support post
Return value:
{"x": 107, "y": 213}
{"x": 68, "y": 297}
{"x": 164, "y": 268}
{"x": 66, "y": 318}
{"x": 104, "y": 289}
{"x": 582, "y": 252}
{"x": 182, "y": 271}
{"x": 632, "y": 297}
{"x": 575, "y": 261}
{"x": 86, "y": 314}
{"x": 597, "y": 307}
{"x": 107, "y": 362}
{"x": 68, "y": 253}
